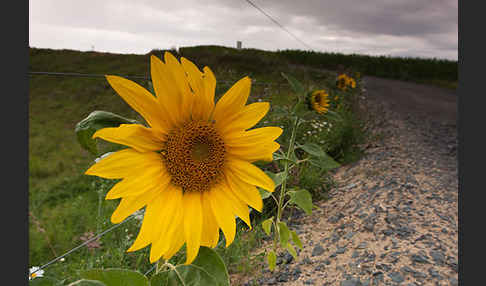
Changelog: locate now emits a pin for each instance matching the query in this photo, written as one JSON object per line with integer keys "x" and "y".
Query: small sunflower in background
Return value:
{"x": 192, "y": 167}
{"x": 350, "y": 82}
{"x": 342, "y": 81}
{"x": 319, "y": 101}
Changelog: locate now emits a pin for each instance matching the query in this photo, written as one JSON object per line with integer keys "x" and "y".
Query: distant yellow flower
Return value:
{"x": 351, "y": 82}
{"x": 192, "y": 167}
{"x": 319, "y": 101}
{"x": 341, "y": 81}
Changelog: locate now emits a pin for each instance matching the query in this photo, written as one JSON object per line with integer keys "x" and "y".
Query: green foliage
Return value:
{"x": 302, "y": 198}
{"x": 272, "y": 260}
{"x": 284, "y": 233}
{"x": 267, "y": 225}
{"x": 97, "y": 120}
{"x": 116, "y": 277}
{"x": 403, "y": 68}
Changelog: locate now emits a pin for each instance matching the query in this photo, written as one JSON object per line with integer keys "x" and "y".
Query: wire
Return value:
{"x": 83, "y": 244}
{"x": 129, "y": 76}
{"x": 277, "y": 23}
{"x": 83, "y": 74}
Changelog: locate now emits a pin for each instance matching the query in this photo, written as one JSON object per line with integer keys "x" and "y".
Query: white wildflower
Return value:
{"x": 34, "y": 272}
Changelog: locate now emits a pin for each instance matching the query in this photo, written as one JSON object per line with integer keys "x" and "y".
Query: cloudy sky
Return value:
{"x": 414, "y": 28}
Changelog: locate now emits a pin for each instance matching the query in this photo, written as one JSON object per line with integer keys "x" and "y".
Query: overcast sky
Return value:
{"x": 417, "y": 28}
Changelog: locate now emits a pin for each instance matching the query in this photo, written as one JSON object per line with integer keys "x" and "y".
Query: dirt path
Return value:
{"x": 392, "y": 220}
{"x": 437, "y": 103}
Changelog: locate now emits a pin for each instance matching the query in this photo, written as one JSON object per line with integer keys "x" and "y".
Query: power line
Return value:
{"x": 277, "y": 23}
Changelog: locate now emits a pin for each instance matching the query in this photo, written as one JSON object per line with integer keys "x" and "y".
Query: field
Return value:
{"x": 67, "y": 207}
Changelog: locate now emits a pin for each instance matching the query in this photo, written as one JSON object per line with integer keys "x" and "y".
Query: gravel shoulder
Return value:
{"x": 393, "y": 217}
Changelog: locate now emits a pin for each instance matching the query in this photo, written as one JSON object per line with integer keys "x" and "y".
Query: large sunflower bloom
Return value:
{"x": 192, "y": 167}
{"x": 319, "y": 101}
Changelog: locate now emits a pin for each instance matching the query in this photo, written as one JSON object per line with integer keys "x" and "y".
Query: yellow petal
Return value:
{"x": 232, "y": 102}
{"x": 141, "y": 181}
{"x": 182, "y": 85}
{"x": 251, "y": 174}
{"x": 151, "y": 224}
{"x": 168, "y": 98}
{"x": 209, "y": 81}
{"x": 253, "y": 153}
{"x": 193, "y": 219}
{"x": 202, "y": 108}
{"x": 122, "y": 163}
{"x": 194, "y": 76}
{"x": 140, "y": 99}
{"x": 244, "y": 191}
{"x": 247, "y": 118}
{"x": 136, "y": 136}
{"x": 223, "y": 215}
{"x": 129, "y": 205}
{"x": 252, "y": 137}
{"x": 171, "y": 221}
{"x": 177, "y": 242}
{"x": 238, "y": 208}
{"x": 210, "y": 234}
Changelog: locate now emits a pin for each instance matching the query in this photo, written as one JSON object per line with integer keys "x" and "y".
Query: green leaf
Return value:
{"x": 161, "y": 279}
{"x": 284, "y": 233}
{"x": 213, "y": 264}
{"x": 277, "y": 178}
{"x": 272, "y": 260}
{"x": 264, "y": 193}
{"x": 324, "y": 163}
{"x": 207, "y": 269}
{"x": 291, "y": 250}
{"x": 313, "y": 149}
{"x": 297, "y": 87}
{"x": 333, "y": 115}
{"x": 42, "y": 281}
{"x": 296, "y": 239}
{"x": 303, "y": 199}
{"x": 116, "y": 277}
{"x": 97, "y": 120}
{"x": 86, "y": 282}
{"x": 277, "y": 156}
{"x": 267, "y": 225}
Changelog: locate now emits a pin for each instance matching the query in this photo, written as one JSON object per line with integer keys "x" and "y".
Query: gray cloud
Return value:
{"x": 399, "y": 27}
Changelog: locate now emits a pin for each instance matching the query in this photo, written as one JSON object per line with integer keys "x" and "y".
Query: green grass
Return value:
{"x": 65, "y": 204}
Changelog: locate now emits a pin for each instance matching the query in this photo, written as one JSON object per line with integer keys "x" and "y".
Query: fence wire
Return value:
{"x": 83, "y": 244}
{"x": 33, "y": 73}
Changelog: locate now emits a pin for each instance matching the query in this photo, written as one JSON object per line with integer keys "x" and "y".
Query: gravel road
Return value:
{"x": 393, "y": 218}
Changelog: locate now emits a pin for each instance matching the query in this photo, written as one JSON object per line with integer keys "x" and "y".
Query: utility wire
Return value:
{"x": 277, "y": 23}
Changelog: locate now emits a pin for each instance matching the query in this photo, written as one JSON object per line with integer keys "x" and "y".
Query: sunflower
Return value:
{"x": 191, "y": 168}
{"x": 319, "y": 101}
{"x": 351, "y": 82}
{"x": 341, "y": 82}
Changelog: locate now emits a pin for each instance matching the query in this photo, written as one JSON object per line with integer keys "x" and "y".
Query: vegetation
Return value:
{"x": 67, "y": 207}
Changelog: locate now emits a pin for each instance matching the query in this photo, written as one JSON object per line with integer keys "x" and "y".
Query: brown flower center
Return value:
{"x": 195, "y": 156}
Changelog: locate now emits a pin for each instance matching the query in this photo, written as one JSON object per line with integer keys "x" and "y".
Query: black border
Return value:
{"x": 15, "y": 136}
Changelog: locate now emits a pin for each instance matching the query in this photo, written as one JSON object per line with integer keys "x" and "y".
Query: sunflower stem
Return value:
{"x": 284, "y": 181}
